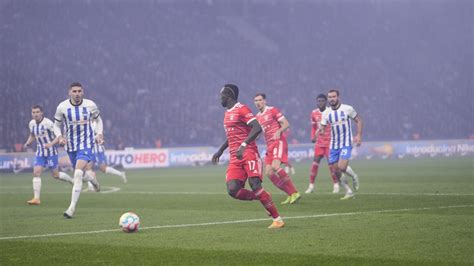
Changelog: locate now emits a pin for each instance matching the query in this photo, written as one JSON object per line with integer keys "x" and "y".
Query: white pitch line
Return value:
{"x": 104, "y": 190}
{"x": 238, "y": 221}
{"x": 116, "y": 189}
{"x": 413, "y": 194}
{"x": 278, "y": 193}
{"x": 175, "y": 192}
{"x": 109, "y": 189}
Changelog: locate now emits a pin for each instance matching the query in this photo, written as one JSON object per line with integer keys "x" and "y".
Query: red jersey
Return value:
{"x": 236, "y": 126}
{"x": 323, "y": 139}
{"x": 269, "y": 119}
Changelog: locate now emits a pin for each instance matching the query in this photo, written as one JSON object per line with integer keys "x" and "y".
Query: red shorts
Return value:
{"x": 278, "y": 150}
{"x": 321, "y": 151}
{"x": 243, "y": 169}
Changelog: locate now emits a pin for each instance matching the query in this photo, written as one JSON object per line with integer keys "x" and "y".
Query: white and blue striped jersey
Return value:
{"x": 77, "y": 121}
{"x": 341, "y": 126}
{"x": 44, "y": 134}
{"x": 98, "y": 148}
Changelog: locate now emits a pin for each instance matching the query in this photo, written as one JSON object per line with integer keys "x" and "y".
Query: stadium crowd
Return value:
{"x": 155, "y": 68}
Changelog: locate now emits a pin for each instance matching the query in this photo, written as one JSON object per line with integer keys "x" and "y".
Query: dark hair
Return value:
{"x": 37, "y": 107}
{"x": 233, "y": 89}
{"x": 264, "y": 96}
{"x": 322, "y": 96}
{"x": 334, "y": 90}
{"x": 75, "y": 84}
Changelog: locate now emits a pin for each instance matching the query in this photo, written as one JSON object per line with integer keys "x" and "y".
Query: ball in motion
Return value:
{"x": 129, "y": 222}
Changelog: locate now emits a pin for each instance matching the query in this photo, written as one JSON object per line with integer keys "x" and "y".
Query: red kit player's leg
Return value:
{"x": 235, "y": 180}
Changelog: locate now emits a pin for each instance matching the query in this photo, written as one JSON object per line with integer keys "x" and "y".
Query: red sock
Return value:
{"x": 245, "y": 194}
{"x": 314, "y": 172}
{"x": 281, "y": 183}
{"x": 267, "y": 202}
{"x": 277, "y": 181}
{"x": 335, "y": 180}
{"x": 333, "y": 171}
{"x": 286, "y": 182}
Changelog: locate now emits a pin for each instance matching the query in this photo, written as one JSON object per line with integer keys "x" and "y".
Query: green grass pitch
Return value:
{"x": 407, "y": 212}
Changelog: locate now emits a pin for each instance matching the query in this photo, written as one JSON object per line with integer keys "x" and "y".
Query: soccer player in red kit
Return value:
{"x": 242, "y": 129}
{"x": 321, "y": 148}
{"x": 274, "y": 124}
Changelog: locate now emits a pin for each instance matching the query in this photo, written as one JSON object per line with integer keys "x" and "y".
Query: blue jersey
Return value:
{"x": 341, "y": 127}
{"x": 44, "y": 134}
{"x": 77, "y": 121}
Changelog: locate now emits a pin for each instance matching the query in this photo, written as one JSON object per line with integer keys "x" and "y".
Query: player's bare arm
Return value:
{"x": 254, "y": 132}
{"x": 284, "y": 125}
{"x": 358, "y": 136}
{"x": 313, "y": 131}
{"x": 30, "y": 140}
{"x": 99, "y": 128}
{"x": 52, "y": 143}
{"x": 319, "y": 131}
{"x": 59, "y": 135}
{"x": 218, "y": 154}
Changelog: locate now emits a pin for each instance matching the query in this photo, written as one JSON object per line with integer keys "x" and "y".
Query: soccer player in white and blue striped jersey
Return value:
{"x": 77, "y": 114}
{"x": 101, "y": 160}
{"x": 339, "y": 118}
{"x": 41, "y": 130}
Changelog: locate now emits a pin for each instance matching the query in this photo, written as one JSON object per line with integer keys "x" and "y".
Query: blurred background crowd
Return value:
{"x": 155, "y": 68}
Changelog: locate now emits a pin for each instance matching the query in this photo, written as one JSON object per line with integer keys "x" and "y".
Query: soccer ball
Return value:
{"x": 129, "y": 222}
